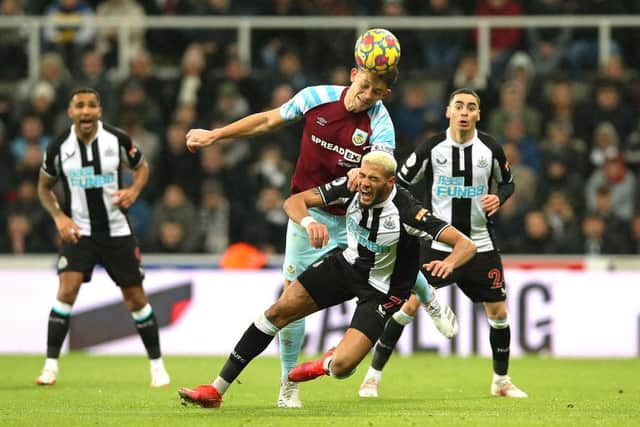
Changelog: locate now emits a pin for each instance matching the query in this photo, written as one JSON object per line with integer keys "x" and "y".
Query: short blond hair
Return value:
{"x": 384, "y": 159}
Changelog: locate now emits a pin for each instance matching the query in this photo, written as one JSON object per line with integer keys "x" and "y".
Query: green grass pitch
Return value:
{"x": 420, "y": 390}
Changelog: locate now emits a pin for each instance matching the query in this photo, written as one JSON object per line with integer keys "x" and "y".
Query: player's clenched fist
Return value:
{"x": 197, "y": 138}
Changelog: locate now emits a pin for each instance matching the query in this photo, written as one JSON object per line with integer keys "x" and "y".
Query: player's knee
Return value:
{"x": 341, "y": 369}
{"x": 279, "y": 315}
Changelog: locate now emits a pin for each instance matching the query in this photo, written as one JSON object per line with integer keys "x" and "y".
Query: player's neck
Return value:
{"x": 462, "y": 136}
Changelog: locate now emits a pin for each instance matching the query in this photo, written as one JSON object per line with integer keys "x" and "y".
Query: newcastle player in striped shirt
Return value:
{"x": 92, "y": 223}
{"x": 459, "y": 167}
{"x": 341, "y": 124}
{"x": 384, "y": 224}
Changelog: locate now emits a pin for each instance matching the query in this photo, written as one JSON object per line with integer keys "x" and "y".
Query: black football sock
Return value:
{"x": 252, "y": 343}
{"x": 386, "y": 343}
{"x": 500, "y": 341}
{"x": 148, "y": 331}
{"x": 56, "y": 332}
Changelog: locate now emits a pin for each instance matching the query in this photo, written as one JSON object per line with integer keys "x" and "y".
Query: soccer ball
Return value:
{"x": 377, "y": 50}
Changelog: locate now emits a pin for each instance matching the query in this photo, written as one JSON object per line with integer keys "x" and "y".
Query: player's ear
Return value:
{"x": 478, "y": 116}
{"x": 447, "y": 112}
{"x": 354, "y": 73}
{"x": 386, "y": 92}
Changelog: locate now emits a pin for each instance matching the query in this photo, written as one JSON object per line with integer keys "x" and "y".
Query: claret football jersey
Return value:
{"x": 334, "y": 139}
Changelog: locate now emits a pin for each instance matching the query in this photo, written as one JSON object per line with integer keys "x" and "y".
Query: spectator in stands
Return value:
{"x": 270, "y": 170}
{"x": 133, "y": 99}
{"x": 612, "y": 187}
{"x": 93, "y": 74}
{"x": 69, "y": 40}
{"x": 192, "y": 87}
{"x": 513, "y": 104}
{"x": 229, "y": 105}
{"x": 29, "y": 166}
{"x": 607, "y": 106}
{"x": 174, "y": 223}
{"x": 597, "y": 239}
{"x": 521, "y": 69}
{"x": 31, "y": 133}
{"x": 515, "y": 133}
{"x": 562, "y": 219}
{"x": 13, "y": 43}
{"x": 560, "y": 104}
{"x": 141, "y": 70}
{"x": 54, "y": 73}
{"x": 267, "y": 229}
{"x": 410, "y": 115}
{"x": 558, "y": 174}
{"x": 215, "y": 217}
{"x": 559, "y": 141}
{"x": 441, "y": 49}
{"x": 28, "y": 228}
{"x": 508, "y": 226}
{"x": 107, "y": 42}
{"x": 178, "y": 166}
{"x": 547, "y": 46}
{"x": 504, "y": 41}
{"x": 236, "y": 73}
{"x": 605, "y": 145}
{"x": 147, "y": 140}
{"x": 467, "y": 74}
{"x": 582, "y": 52}
{"x": 167, "y": 45}
{"x": 538, "y": 236}
{"x": 525, "y": 177}
{"x": 289, "y": 70}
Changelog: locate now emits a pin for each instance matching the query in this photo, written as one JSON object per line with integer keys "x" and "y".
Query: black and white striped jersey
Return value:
{"x": 383, "y": 240}
{"x": 457, "y": 176}
{"x": 90, "y": 175}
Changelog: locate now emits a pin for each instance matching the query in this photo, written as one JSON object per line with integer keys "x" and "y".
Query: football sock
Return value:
{"x": 373, "y": 373}
{"x": 58, "y": 327}
{"x": 386, "y": 343}
{"x": 147, "y": 327}
{"x": 423, "y": 291}
{"x": 254, "y": 341}
{"x": 290, "y": 342}
{"x": 51, "y": 364}
{"x": 157, "y": 363}
{"x": 221, "y": 385}
{"x": 500, "y": 338}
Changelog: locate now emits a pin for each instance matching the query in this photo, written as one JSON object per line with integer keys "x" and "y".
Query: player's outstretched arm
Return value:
{"x": 297, "y": 207}
{"x": 247, "y": 127}
{"x": 463, "y": 250}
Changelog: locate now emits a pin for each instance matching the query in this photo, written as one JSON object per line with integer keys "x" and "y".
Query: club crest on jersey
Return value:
{"x": 321, "y": 121}
{"x": 389, "y": 223}
{"x": 483, "y": 163}
{"x": 359, "y": 137}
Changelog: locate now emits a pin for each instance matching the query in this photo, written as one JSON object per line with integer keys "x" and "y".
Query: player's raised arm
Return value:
{"x": 247, "y": 127}
{"x": 297, "y": 207}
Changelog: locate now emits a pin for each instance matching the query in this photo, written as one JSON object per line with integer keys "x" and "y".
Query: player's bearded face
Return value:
{"x": 84, "y": 109}
{"x": 374, "y": 187}
{"x": 366, "y": 89}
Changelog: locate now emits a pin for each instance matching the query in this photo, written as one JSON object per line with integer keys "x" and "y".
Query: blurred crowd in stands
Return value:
{"x": 570, "y": 128}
